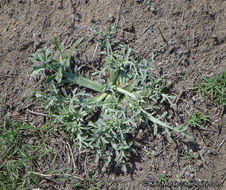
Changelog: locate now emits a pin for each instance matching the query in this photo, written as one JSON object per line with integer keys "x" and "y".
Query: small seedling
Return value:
{"x": 161, "y": 178}
{"x": 189, "y": 156}
{"x": 123, "y": 96}
{"x": 196, "y": 120}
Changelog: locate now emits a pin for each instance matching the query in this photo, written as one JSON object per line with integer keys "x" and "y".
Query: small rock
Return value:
{"x": 31, "y": 142}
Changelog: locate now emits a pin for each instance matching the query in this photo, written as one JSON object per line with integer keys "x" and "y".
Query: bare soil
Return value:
{"x": 188, "y": 38}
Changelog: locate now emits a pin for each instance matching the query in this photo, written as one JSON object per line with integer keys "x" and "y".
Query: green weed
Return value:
{"x": 123, "y": 96}
{"x": 189, "y": 156}
{"x": 215, "y": 88}
{"x": 161, "y": 178}
{"x": 196, "y": 120}
{"x": 17, "y": 157}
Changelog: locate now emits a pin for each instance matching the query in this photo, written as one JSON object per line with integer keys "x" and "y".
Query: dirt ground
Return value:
{"x": 188, "y": 38}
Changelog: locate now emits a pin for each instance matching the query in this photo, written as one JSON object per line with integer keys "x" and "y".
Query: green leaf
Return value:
{"x": 151, "y": 57}
{"x": 67, "y": 63}
{"x": 132, "y": 85}
{"x": 37, "y": 69}
{"x": 119, "y": 155}
{"x": 114, "y": 146}
{"x": 124, "y": 168}
{"x": 87, "y": 83}
{"x": 59, "y": 75}
{"x": 107, "y": 160}
{"x": 97, "y": 157}
{"x": 122, "y": 78}
{"x": 101, "y": 97}
{"x": 168, "y": 135}
{"x": 73, "y": 48}
{"x": 59, "y": 49}
{"x": 155, "y": 129}
{"x": 104, "y": 140}
{"x": 125, "y": 92}
{"x": 110, "y": 29}
{"x": 50, "y": 78}
{"x": 159, "y": 122}
{"x": 52, "y": 163}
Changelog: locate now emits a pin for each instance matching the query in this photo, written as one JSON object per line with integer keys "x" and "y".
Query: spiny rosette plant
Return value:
{"x": 124, "y": 96}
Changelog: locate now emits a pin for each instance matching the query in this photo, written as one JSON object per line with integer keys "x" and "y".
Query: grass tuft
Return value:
{"x": 215, "y": 88}
{"x": 197, "y": 120}
{"x": 17, "y": 157}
